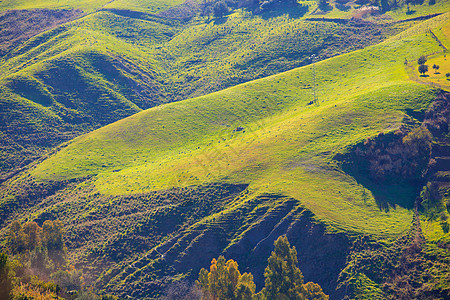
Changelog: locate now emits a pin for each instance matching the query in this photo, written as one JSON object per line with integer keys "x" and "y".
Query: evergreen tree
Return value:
{"x": 284, "y": 279}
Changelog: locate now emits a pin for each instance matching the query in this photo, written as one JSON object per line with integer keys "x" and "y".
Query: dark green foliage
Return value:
{"x": 445, "y": 227}
{"x": 52, "y": 235}
{"x": 423, "y": 69}
{"x": 274, "y": 4}
{"x": 384, "y": 5}
{"x": 313, "y": 291}
{"x": 422, "y": 60}
{"x": 5, "y": 279}
{"x": 432, "y": 203}
{"x": 71, "y": 280}
{"x": 323, "y": 4}
{"x": 32, "y": 235}
{"x": 43, "y": 249}
{"x": 395, "y": 157}
{"x": 220, "y": 9}
{"x": 283, "y": 278}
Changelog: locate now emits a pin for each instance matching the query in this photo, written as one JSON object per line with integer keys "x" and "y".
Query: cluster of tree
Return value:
{"x": 283, "y": 279}
{"x": 32, "y": 240}
{"x": 39, "y": 252}
{"x": 435, "y": 68}
{"x": 222, "y": 7}
{"x": 387, "y": 5}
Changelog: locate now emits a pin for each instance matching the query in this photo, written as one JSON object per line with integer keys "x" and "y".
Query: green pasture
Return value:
{"x": 286, "y": 146}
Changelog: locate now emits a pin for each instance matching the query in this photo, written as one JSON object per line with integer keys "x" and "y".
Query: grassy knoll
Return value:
{"x": 286, "y": 146}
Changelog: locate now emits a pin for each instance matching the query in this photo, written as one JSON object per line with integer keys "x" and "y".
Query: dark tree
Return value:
{"x": 384, "y": 5}
{"x": 283, "y": 278}
{"x": 422, "y": 60}
{"x": 423, "y": 69}
{"x": 220, "y": 9}
{"x": 323, "y": 4}
{"x": 448, "y": 76}
{"x": 435, "y": 68}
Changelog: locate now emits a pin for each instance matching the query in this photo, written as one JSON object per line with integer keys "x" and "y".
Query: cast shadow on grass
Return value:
{"x": 387, "y": 194}
{"x": 342, "y": 7}
{"x": 293, "y": 11}
{"x": 424, "y": 75}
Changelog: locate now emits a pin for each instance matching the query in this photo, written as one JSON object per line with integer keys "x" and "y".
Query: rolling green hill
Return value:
{"x": 228, "y": 172}
{"x": 120, "y": 62}
{"x": 203, "y": 139}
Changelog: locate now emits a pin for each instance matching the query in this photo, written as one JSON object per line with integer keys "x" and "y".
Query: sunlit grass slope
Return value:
{"x": 119, "y": 64}
{"x": 286, "y": 146}
{"x": 149, "y": 6}
{"x": 153, "y": 6}
{"x": 85, "y": 5}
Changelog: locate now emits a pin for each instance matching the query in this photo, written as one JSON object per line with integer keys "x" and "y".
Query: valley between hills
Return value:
{"x": 151, "y": 137}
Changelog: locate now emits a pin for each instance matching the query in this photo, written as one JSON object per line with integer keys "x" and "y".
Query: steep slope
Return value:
{"x": 230, "y": 171}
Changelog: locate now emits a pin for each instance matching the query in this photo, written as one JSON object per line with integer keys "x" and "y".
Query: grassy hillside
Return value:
{"x": 285, "y": 144}
{"x": 234, "y": 169}
{"x": 153, "y": 6}
{"x": 150, "y": 199}
{"x": 85, "y": 5}
{"x": 122, "y": 62}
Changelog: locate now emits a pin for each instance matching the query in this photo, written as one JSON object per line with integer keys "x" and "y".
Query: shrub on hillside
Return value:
{"x": 220, "y": 9}
{"x": 423, "y": 69}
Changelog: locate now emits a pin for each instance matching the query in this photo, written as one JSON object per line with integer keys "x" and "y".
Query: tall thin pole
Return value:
{"x": 313, "y": 57}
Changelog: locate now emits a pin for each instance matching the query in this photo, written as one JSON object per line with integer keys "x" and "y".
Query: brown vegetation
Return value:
{"x": 16, "y": 26}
